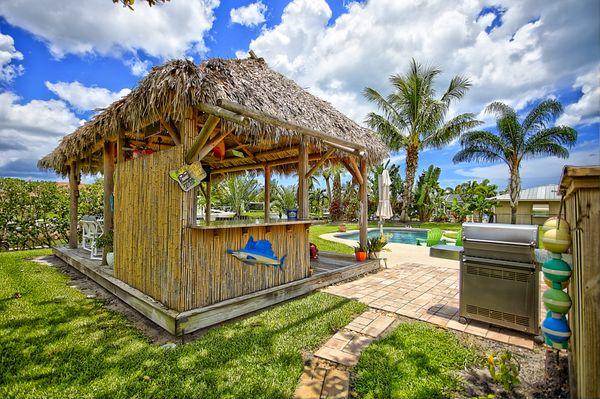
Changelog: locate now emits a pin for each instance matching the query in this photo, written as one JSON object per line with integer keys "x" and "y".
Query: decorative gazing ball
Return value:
{"x": 557, "y": 330}
{"x": 556, "y": 300}
{"x": 552, "y": 223}
{"x": 556, "y": 270}
{"x": 557, "y": 241}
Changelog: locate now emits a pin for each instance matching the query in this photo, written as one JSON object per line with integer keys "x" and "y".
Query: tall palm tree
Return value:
{"x": 516, "y": 141}
{"x": 237, "y": 190}
{"x": 413, "y": 119}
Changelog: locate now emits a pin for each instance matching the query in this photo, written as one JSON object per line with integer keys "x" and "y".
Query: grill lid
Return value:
{"x": 515, "y": 234}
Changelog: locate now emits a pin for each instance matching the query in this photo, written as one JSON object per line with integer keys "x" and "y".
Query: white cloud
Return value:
{"x": 8, "y": 54}
{"x": 85, "y": 98}
{"x": 587, "y": 110}
{"x": 100, "y": 27}
{"x": 138, "y": 67}
{"x": 531, "y": 55}
{"x": 251, "y": 15}
{"x": 29, "y": 131}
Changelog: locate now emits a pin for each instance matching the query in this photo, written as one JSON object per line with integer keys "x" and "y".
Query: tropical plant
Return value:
{"x": 336, "y": 210}
{"x": 329, "y": 173}
{"x": 426, "y": 192}
{"x": 237, "y": 190}
{"x": 376, "y": 244}
{"x": 317, "y": 200}
{"x": 515, "y": 141}
{"x": 284, "y": 198}
{"x": 504, "y": 369}
{"x": 413, "y": 119}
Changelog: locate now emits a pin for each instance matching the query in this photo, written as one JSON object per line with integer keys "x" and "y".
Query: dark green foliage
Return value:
{"x": 416, "y": 360}
{"x": 36, "y": 213}
{"x": 56, "y": 343}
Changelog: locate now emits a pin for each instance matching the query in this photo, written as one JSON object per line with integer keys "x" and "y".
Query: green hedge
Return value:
{"x": 36, "y": 213}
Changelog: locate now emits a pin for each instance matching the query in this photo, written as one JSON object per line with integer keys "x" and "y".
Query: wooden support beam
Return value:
{"x": 354, "y": 166}
{"x": 243, "y": 147}
{"x": 223, "y": 114}
{"x": 262, "y": 165}
{"x": 208, "y": 200}
{"x": 212, "y": 144}
{"x": 275, "y": 121}
{"x": 74, "y": 202}
{"x": 319, "y": 163}
{"x": 303, "y": 207}
{"x": 355, "y": 175}
{"x": 172, "y": 130}
{"x": 120, "y": 148}
{"x": 109, "y": 169}
{"x": 267, "y": 193}
{"x": 202, "y": 138}
{"x": 364, "y": 202}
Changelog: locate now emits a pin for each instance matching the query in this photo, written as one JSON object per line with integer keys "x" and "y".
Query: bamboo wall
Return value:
{"x": 148, "y": 223}
{"x": 583, "y": 214}
{"x": 213, "y": 276}
{"x": 183, "y": 267}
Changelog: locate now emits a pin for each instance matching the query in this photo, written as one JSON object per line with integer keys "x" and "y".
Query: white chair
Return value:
{"x": 91, "y": 230}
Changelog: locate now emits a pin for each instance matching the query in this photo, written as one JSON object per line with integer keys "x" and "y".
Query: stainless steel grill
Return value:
{"x": 499, "y": 282}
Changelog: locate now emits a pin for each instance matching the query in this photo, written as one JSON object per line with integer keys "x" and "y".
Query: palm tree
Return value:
{"x": 284, "y": 198}
{"x": 413, "y": 119}
{"x": 516, "y": 141}
{"x": 333, "y": 171}
{"x": 236, "y": 191}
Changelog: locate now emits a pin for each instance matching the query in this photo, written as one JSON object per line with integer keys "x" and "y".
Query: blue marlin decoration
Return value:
{"x": 256, "y": 252}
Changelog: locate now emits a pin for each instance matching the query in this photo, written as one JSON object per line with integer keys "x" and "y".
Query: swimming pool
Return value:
{"x": 401, "y": 236}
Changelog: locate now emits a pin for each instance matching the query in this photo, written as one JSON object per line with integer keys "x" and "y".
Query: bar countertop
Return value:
{"x": 234, "y": 224}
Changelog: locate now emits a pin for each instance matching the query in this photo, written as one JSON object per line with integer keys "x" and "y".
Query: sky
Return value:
{"x": 60, "y": 63}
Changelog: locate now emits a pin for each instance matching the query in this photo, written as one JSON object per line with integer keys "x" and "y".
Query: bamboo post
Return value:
{"x": 267, "y": 193}
{"x": 109, "y": 169}
{"x": 208, "y": 199}
{"x": 74, "y": 202}
{"x": 303, "y": 210}
{"x": 202, "y": 138}
{"x": 364, "y": 203}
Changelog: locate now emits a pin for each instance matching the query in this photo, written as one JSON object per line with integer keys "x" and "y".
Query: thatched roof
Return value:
{"x": 170, "y": 89}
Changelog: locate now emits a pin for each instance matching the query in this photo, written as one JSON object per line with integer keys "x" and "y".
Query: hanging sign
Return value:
{"x": 188, "y": 176}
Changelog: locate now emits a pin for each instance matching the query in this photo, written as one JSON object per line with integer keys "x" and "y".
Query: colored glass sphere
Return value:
{"x": 556, "y": 300}
{"x": 557, "y": 330}
{"x": 557, "y": 241}
{"x": 556, "y": 270}
{"x": 552, "y": 223}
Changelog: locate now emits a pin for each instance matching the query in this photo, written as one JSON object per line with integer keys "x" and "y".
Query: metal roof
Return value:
{"x": 541, "y": 193}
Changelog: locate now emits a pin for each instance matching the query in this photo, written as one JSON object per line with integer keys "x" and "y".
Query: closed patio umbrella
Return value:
{"x": 384, "y": 208}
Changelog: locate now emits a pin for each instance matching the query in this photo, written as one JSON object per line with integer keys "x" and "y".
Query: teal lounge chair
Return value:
{"x": 434, "y": 237}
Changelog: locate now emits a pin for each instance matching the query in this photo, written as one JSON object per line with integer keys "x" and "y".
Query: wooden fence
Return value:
{"x": 581, "y": 187}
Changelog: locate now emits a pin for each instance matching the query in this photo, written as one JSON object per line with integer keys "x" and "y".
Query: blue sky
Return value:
{"x": 58, "y": 65}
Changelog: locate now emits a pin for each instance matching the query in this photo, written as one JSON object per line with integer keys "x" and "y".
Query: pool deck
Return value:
{"x": 398, "y": 253}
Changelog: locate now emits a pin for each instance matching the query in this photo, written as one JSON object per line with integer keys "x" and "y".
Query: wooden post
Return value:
{"x": 303, "y": 209}
{"x": 109, "y": 169}
{"x": 267, "y": 192}
{"x": 74, "y": 200}
{"x": 202, "y": 138}
{"x": 208, "y": 199}
{"x": 120, "y": 147}
{"x": 364, "y": 203}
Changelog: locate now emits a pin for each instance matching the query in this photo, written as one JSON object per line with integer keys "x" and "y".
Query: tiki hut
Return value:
{"x": 195, "y": 123}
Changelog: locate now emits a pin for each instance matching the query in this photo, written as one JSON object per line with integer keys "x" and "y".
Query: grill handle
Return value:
{"x": 521, "y": 244}
{"x": 493, "y": 262}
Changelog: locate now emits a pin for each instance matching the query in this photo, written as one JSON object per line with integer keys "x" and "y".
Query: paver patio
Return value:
{"x": 426, "y": 292}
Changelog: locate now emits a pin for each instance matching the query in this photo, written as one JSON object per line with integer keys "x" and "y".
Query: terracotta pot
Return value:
{"x": 342, "y": 228}
{"x": 360, "y": 256}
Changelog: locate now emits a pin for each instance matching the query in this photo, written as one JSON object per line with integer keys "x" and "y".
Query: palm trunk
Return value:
{"x": 328, "y": 187}
{"x": 514, "y": 189}
{"x": 412, "y": 161}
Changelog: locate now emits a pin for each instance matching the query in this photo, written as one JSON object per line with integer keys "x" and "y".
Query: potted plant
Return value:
{"x": 361, "y": 253}
{"x": 105, "y": 241}
{"x": 375, "y": 245}
{"x": 342, "y": 227}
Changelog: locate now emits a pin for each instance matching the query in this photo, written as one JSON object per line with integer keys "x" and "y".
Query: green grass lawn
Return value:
{"x": 416, "y": 361}
{"x": 56, "y": 343}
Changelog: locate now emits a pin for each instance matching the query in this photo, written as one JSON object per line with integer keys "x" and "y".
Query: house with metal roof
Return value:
{"x": 536, "y": 204}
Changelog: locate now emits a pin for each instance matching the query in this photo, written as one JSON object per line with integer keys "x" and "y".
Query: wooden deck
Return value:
{"x": 329, "y": 269}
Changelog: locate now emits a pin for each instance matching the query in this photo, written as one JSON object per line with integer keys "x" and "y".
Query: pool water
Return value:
{"x": 401, "y": 236}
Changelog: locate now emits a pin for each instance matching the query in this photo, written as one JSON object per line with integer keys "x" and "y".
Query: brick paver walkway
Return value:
{"x": 343, "y": 349}
{"x": 424, "y": 292}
